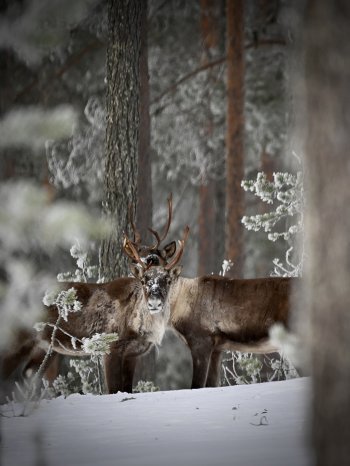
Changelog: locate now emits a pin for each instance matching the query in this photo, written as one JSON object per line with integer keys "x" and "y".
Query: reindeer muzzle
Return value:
{"x": 154, "y": 305}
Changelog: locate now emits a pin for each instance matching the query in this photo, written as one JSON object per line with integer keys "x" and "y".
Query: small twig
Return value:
{"x": 263, "y": 422}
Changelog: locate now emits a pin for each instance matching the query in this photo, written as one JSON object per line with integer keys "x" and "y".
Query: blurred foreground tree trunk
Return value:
{"x": 145, "y": 369}
{"x": 326, "y": 286}
{"x": 122, "y": 132}
{"x": 235, "y": 136}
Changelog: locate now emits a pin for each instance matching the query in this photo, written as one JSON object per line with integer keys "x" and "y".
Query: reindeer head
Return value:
{"x": 157, "y": 280}
{"x": 151, "y": 255}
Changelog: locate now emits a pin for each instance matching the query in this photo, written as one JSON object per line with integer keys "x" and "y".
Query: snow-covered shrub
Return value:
{"x": 32, "y": 229}
{"x": 245, "y": 368}
{"x": 42, "y": 27}
{"x": 99, "y": 344}
{"x": 284, "y": 221}
{"x": 32, "y": 126}
{"x": 85, "y": 271}
{"x": 145, "y": 386}
{"x": 82, "y": 377}
{"x": 66, "y": 302}
{"x": 78, "y": 163}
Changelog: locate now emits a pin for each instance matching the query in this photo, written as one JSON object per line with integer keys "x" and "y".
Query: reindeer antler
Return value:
{"x": 137, "y": 236}
{"x": 167, "y": 226}
{"x": 131, "y": 251}
{"x": 180, "y": 250}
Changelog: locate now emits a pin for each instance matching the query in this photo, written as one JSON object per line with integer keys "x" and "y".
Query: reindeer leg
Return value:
{"x": 120, "y": 364}
{"x": 213, "y": 378}
{"x": 133, "y": 352}
{"x": 11, "y": 361}
{"x": 113, "y": 366}
{"x": 128, "y": 373}
{"x": 201, "y": 353}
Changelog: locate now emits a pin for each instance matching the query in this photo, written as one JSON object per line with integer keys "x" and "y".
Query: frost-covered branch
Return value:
{"x": 286, "y": 194}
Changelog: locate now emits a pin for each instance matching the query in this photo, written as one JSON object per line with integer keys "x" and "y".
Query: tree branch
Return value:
{"x": 219, "y": 61}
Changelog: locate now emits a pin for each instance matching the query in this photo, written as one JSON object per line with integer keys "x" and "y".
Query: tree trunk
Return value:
{"x": 235, "y": 136}
{"x": 122, "y": 132}
{"x": 326, "y": 286}
{"x": 207, "y": 216}
{"x": 144, "y": 180}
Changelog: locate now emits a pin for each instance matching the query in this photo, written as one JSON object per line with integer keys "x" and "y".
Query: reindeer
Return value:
{"x": 213, "y": 313}
{"x": 137, "y": 308}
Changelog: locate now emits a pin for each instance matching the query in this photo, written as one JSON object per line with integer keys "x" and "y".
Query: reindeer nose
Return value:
{"x": 154, "y": 305}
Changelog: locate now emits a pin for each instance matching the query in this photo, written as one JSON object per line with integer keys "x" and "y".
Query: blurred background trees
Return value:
{"x": 207, "y": 90}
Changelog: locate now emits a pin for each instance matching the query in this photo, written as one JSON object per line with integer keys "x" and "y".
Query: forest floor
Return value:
{"x": 246, "y": 425}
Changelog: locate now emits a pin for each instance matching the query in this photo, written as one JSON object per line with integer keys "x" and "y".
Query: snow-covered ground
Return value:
{"x": 262, "y": 424}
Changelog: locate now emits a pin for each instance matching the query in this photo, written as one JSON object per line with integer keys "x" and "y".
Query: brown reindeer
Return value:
{"x": 97, "y": 315}
{"x": 137, "y": 308}
{"x": 215, "y": 313}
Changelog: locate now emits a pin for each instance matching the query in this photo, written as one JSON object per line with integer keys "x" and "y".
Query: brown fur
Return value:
{"x": 119, "y": 306}
{"x": 217, "y": 313}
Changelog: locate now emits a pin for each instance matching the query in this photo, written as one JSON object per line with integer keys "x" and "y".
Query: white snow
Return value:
{"x": 207, "y": 427}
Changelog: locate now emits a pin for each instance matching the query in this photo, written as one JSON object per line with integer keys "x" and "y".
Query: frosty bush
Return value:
{"x": 96, "y": 347}
{"x": 84, "y": 271}
{"x": 82, "y": 377}
{"x": 31, "y": 127}
{"x": 65, "y": 302}
{"x": 99, "y": 344}
{"x": 78, "y": 163}
{"x": 41, "y": 28}
{"x": 145, "y": 386}
{"x": 245, "y": 368}
{"x": 286, "y": 193}
{"x": 33, "y": 227}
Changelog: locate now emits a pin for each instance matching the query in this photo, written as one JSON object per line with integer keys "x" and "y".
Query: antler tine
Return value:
{"x": 180, "y": 250}
{"x": 137, "y": 236}
{"x": 155, "y": 233}
{"x": 170, "y": 211}
{"x": 127, "y": 243}
{"x": 167, "y": 226}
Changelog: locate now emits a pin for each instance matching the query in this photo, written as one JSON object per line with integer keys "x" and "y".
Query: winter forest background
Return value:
{"x": 54, "y": 134}
{"x": 207, "y": 104}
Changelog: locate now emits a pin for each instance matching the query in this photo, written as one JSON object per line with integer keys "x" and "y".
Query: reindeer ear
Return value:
{"x": 136, "y": 270}
{"x": 169, "y": 250}
{"x": 175, "y": 271}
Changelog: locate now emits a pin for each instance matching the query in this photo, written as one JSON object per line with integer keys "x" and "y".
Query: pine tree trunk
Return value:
{"x": 326, "y": 286}
{"x": 144, "y": 181}
{"x": 122, "y": 133}
{"x": 207, "y": 212}
{"x": 235, "y": 136}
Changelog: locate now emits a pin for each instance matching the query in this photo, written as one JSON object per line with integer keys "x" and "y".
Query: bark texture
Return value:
{"x": 207, "y": 212}
{"x": 326, "y": 287}
{"x": 235, "y": 136}
{"x": 122, "y": 133}
{"x": 144, "y": 180}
